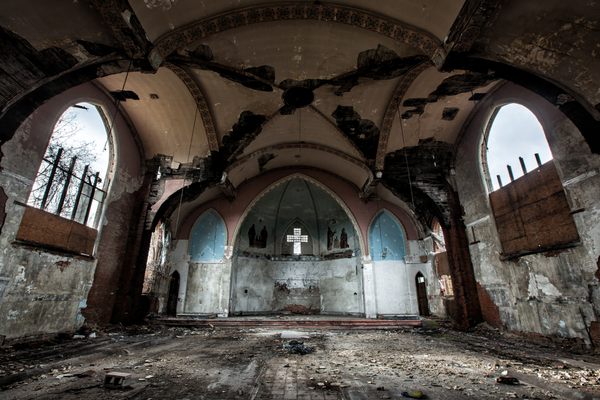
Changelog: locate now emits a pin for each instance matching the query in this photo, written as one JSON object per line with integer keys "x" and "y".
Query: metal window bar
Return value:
{"x": 78, "y": 192}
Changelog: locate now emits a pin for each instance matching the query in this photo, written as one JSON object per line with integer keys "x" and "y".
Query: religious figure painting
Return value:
{"x": 257, "y": 241}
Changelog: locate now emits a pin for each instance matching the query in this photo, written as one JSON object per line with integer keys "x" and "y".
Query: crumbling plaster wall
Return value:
{"x": 41, "y": 291}
{"x": 558, "y": 40}
{"x": 395, "y": 286}
{"x": 549, "y": 294}
{"x": 258, "y": 280}
{"x": 205, "y": 287}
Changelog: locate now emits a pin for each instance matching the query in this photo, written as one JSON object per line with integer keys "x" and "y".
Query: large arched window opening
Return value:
{"x": 71, "y": 179}
{"x": 531, "y": 207}
{"x": 515, "y": 144}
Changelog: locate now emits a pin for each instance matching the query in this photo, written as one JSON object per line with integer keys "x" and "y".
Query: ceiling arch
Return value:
{"x": 187, "y": 34}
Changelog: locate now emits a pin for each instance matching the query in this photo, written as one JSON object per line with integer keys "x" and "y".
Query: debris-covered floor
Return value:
{"x": 179, "y": 363}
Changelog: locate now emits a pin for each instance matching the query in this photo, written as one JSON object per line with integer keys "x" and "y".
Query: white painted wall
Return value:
{"x": 395, "y": 286}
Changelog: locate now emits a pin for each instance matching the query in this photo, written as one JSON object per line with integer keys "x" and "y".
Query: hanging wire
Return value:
{"x": 412, "y": 198}
{"x": 383, "y": 252}
{"x": 185, "y": 172}
{"x": 117, "y": 105}
{"x": 299, "y": 133}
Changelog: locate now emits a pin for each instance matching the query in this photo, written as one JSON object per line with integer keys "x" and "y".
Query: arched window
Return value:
{"x": 386, "y": 238}
{"x": 437, "y": 234}
{"x": 207, "y": 239}
{"x": 70, "y": 179}
{"x": 516, "y": 142}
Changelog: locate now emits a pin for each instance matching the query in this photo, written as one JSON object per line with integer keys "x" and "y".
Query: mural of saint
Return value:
{"x": 330, "y": 234}
{"x": 262, "y": 238}
{"x": 344, "y": 239}
{"x": 251, "y": 236}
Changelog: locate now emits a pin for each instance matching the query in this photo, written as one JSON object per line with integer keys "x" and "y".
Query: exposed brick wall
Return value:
{"x": 489, "y": 309}
{"x": 131, "y": 306}
{"x": 468, "y": 311}
{"x": 113, "y": 255}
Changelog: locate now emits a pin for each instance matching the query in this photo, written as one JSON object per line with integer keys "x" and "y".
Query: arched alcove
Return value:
{"x": 513, "y": 132}
{"x": 387, "y": 240}
{"x": 395, "y": 289}
{"x": 208, "y": 238}
{"x": 296, "y": 250}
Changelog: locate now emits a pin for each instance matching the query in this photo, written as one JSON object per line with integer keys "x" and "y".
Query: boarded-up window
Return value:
{"x": 44, "y": 229}
{"x": 532, "y": 214}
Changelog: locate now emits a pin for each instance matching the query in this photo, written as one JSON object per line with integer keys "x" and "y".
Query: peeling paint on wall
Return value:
{"x": 540, "y": 286}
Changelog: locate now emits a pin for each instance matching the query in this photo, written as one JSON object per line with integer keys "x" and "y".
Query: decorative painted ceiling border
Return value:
{"x": 200, "y": 98}
{"x": 392, "y": 110}
{"x": 303, "y": 145}
{"x": 392, "y": 28}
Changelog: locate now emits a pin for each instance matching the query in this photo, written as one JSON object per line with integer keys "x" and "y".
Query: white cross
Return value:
{"x": 297, "y": 239}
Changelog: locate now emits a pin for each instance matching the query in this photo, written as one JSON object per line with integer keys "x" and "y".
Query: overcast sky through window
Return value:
{"x": 515, "y": 132}
{"x": 91, "y": 129}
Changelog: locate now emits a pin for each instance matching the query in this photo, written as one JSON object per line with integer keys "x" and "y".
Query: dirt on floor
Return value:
{"x": 182, "y": 363}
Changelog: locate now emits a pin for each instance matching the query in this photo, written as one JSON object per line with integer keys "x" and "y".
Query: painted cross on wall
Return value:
{"x": 297, "y": 238}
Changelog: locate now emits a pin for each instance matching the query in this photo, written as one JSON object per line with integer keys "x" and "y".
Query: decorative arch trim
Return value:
{"x": 321, "y": 186}
{"x": 200, "y": 98}
{"x": 426, "y": 42}
{"x": 392, "y": 109}
{"x": 311, "y": 146}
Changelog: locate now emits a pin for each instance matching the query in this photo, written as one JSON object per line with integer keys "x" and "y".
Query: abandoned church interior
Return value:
{"x": 405, "y": 185}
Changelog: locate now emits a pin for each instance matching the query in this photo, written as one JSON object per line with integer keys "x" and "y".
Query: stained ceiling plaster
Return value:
{"x": 303, "y": 47}
{"x": 159, "y": 17}
{"x": 165, "y": 123}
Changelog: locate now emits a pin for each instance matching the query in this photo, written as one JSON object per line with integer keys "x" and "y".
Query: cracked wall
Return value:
{"x": 553, "y": 293}
{"x": 47, "y": 291}
{"x": 331, "y": 285}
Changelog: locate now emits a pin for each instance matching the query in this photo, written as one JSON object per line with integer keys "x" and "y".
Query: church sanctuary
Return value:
{"x": 299, "y": 199}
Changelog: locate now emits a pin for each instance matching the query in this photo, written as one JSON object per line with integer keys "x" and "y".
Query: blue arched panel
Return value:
{"x": 386, "y": 239}
{"x": 207, "y": 240}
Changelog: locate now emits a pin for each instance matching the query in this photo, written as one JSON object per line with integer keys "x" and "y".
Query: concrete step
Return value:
{"x": 321, "y": 322}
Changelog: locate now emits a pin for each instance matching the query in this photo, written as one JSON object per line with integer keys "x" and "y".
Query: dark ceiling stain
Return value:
{"x": 202, "y": 52}
{"x": 449, "y": 113}
{"x": 124, "y": 95}
{"x": 417, "y": 175}
{"x": 477, "y": 96}
{"x": 26, "y": 64}
{"x": 261, "y": 78}
{"x": 264, "y": 159}
{"x": 378, "y": 64}
{"x": 450, "y": 86}
{"x": 97, "y": 49}
{"x": 418, "y": 105}
{"x": 463, "y": 83}
{"x": 363, "y": 132}
{"x": 249, "y": 125}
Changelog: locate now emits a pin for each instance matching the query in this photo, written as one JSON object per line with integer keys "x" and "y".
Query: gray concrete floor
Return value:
{"x": 180, "y": 363}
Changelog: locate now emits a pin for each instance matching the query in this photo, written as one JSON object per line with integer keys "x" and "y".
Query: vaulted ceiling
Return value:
{"x": 261, "y": 85}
